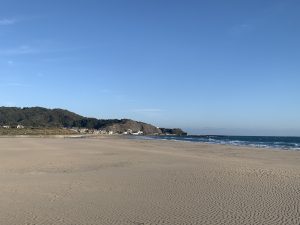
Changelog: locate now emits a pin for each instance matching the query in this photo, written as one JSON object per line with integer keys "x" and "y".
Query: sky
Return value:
{"x": 209, "y": 67}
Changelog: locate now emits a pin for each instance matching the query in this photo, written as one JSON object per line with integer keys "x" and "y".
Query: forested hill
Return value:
{"x": 42, "y": 117}
{"x": 37, "y": 117}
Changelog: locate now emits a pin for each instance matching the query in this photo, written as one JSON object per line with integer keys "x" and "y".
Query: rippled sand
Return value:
{"x": 120, "y": 181}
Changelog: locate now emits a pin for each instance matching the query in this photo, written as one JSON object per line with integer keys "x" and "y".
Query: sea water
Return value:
{"x": 288, "y": 143}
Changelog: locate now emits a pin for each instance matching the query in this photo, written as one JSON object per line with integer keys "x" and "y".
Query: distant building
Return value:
{"x": 129, "y": 131}
{"x": 138, "y": 133}
{"x": 96, "y": 131}
{"x": 83, "y": 130}
{"x": 75, "y": 129}
{"x": 103, "y": 131}
{"x": 20, "y": 126}
{"x": 6, "y": 126}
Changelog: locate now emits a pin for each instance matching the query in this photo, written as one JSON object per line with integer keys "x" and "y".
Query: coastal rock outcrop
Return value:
{"x": 131, "y": 126}
{"x": 174, "y": 131}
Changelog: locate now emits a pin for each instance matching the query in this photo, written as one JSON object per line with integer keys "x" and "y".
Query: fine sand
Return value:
{"x": 109, "y": 180}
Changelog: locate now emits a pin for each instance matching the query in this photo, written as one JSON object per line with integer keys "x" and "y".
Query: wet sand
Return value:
{"x": 110, "y": 180}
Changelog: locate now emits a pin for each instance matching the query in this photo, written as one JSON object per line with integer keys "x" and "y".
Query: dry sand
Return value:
{"x": 119, "y": 181}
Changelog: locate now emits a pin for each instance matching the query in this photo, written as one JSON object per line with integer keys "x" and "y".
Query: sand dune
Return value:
{"x": 119, "y": 181}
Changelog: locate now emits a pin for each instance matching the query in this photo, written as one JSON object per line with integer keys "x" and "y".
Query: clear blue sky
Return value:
{"x": 206, "y": 66}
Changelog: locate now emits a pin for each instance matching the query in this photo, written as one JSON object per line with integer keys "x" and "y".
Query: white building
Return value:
{"x": 83, "y": 130}
{"x": 138, "y": 133}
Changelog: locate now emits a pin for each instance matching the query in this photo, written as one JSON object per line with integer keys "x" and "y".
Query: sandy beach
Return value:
{"x": 111, "y": 180}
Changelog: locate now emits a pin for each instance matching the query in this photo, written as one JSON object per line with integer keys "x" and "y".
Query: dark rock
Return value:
{"x": 174, "y": 131}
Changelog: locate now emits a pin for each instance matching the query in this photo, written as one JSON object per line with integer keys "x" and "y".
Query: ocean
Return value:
{"x": 286, "y": 143}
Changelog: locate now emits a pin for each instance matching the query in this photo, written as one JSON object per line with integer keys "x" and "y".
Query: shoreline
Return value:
{"x": 148, "y": 138}
{"x": 238, "y": 143}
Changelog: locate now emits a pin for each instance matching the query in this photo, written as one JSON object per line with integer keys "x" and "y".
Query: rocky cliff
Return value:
{"x": 132, "y": 126}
